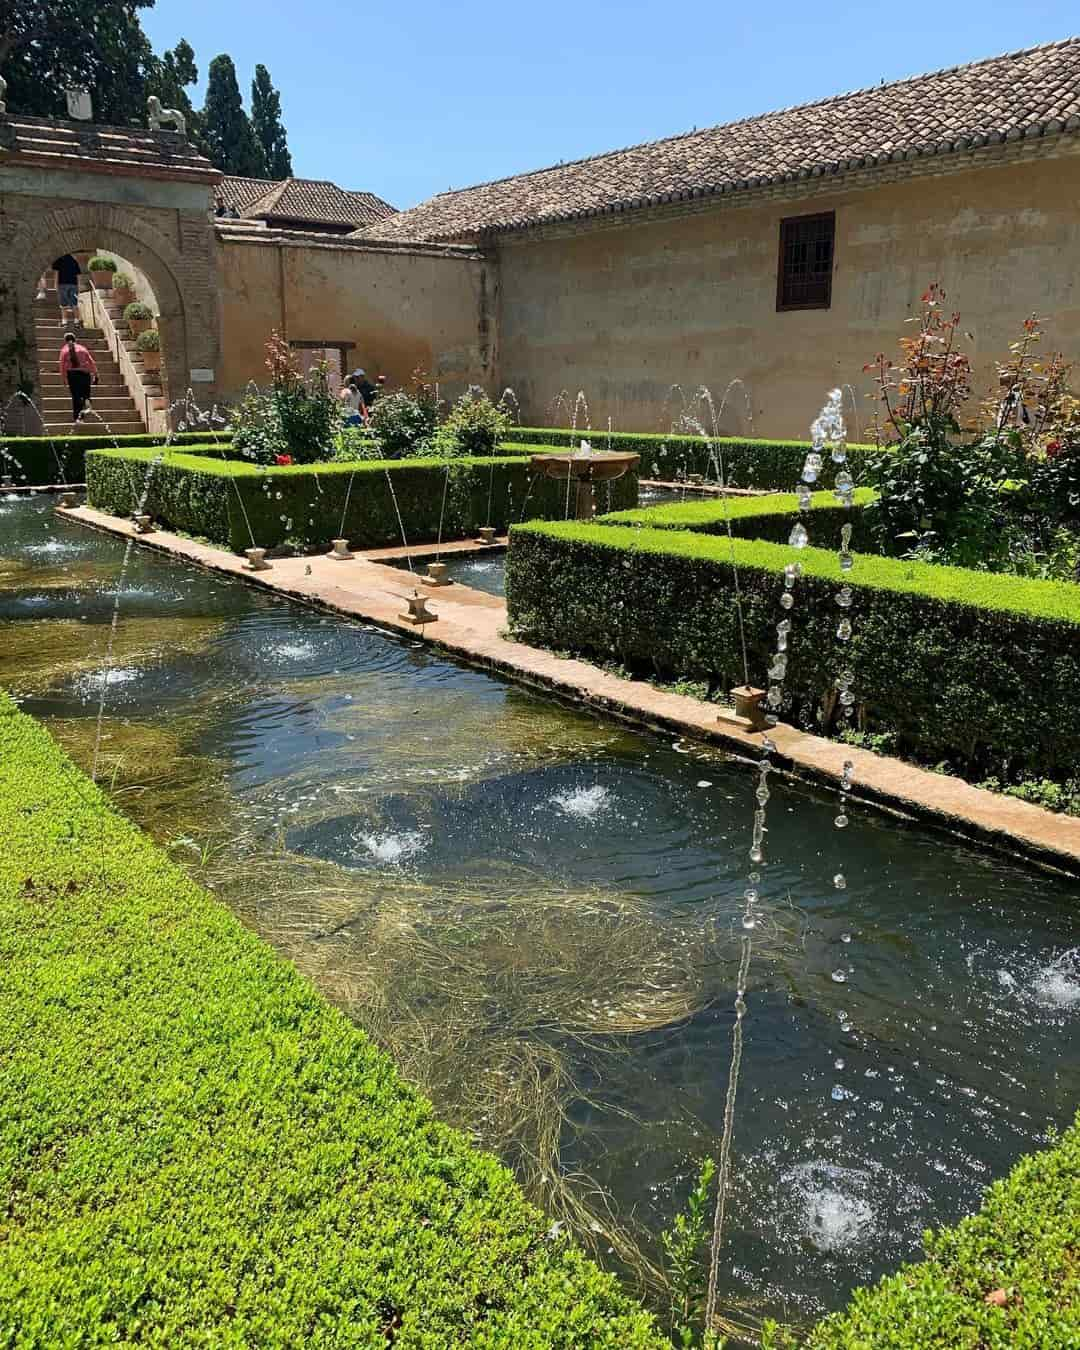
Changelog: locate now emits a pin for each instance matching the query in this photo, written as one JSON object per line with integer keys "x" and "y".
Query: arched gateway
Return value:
{"x": 69, "y": 187}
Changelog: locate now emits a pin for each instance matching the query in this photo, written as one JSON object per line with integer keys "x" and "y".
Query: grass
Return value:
{"x": 197, "y": 1150}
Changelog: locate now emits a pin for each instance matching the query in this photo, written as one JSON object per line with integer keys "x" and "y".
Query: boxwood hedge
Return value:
{"x": 1019, "y": 1251}
{"x": 768, "y": 517}
{"x": 38, "y": 461}
{"x": 748, "y": 462}
{"x": 301, "y": 505}
{"x": 196, "y": 1149}
{"x": 978, "y": 668}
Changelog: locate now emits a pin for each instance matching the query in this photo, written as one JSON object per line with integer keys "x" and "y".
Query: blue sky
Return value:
{"x": 408, "y": 99}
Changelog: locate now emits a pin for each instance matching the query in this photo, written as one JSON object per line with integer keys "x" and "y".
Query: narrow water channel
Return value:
{"x": 537, "y": 911}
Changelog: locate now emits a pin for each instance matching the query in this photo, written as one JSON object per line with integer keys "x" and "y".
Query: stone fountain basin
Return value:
{"x": 598, "y": 466}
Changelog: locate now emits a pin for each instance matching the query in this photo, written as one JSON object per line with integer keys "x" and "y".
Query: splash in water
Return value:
{"x": 1057, "y": 985}
{"x": 583, "y": 803}
{"x": 832, "y": 1206}
{"x": 394, "y": 849}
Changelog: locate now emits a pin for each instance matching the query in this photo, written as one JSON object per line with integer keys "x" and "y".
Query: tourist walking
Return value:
{"x": 67, "y": 271}
{"x": 79, "y": 368}
{"x": 351, "y": 402}
{"x": 368, "y": 392}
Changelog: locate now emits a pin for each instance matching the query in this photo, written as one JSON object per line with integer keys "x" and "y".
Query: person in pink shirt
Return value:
{"x": 79, "y": 368}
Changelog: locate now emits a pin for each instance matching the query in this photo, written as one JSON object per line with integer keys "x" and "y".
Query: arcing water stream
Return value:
{"x": 540, "y": 914}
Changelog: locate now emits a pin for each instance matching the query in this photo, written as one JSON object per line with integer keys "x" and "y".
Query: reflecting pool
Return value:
{"x": 537, "y": 912}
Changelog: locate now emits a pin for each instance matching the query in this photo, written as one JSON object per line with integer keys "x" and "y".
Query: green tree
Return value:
{"x": 46, "y": 46}
{"x": 230, "y": 140}
{"x": 266, "y": 122}
{"x": 169, "y": 77}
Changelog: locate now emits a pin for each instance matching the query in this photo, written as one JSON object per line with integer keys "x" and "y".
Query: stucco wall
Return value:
{"x": 402, "y": 308}
{"x": 624, "y": 312}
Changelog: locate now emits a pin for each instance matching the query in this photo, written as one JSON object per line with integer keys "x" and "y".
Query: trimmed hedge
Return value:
{"x": 32, "y": 459}
{"x": 1022, "y": 1244}
{"x": 747, "y": 462}
{"x": 196, "y": 1149}
{"x": 300, "y": 506}
{"x": 964, "y": 665}
{"x": 768, "y": 517}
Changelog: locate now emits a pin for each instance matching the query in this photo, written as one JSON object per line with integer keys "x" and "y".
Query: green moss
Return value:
{"x": 1022, "y": 1245}
{"x": 977, "y": 668}
{"x": 305, "y": 506}
{"x": 196, "y": 1150}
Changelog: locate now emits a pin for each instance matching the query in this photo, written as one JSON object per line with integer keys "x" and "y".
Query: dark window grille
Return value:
{"x": 804, "y": 276}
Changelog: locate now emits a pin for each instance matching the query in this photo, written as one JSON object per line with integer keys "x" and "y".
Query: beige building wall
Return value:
{"x": 400, "y": 307}
{"x": 624, "y": 311}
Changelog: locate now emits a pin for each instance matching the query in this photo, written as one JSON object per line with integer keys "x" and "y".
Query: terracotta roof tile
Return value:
{"x": 306, "y": 200}
{"x": 124, "y": 148}
{"x": 1027, "y": 93}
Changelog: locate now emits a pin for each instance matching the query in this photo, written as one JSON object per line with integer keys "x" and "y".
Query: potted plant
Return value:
{"x": 123, "y": 288}
{"x": 148, "y": 346}
{"x": 102, "y": 271}
{"x": 138, "y": 317}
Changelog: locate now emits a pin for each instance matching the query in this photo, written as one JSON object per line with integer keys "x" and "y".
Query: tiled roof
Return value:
{"x": 121, "y": 149}
{"x": 1025, "y": 94}
{"x": 306, "y": 200}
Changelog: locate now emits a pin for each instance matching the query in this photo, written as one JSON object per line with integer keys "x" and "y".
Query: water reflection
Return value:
{"x": 538, "y": 913}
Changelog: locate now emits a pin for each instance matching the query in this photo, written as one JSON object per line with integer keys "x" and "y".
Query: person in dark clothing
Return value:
{"x": 67, "y": 271}
{"x": 366, "y": 389}
{"x": 79, "y": 368}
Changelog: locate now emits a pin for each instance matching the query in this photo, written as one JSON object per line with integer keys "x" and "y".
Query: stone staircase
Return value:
{"x": 110, "y": 398}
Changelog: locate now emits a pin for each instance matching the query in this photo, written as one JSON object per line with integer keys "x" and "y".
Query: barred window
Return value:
{"x": 804, "y": 276}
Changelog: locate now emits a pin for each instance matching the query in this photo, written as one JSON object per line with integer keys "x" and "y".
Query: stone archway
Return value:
{"x": 68, "y": 187}
{"x": 74, "y": 228}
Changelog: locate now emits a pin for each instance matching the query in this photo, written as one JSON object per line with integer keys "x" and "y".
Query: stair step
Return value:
{"x": 93, "y": 427}
{"x": 102, "y": 402}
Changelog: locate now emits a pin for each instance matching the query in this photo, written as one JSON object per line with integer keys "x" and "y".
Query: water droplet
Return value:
{"x": 751, "y": 895}
{"x": 841, "y": 822}
{"x": 840, "y": 1094}
{"x": 768, "y": 745}
{"x": 749, "y": 921}
{"x": 755, "y": 876}
{"x": 799, "y": 537}
{"x": 839, "y": 977}
{"x": 838, "y": 1063}
{"x": 840, "y": 881}
{"x": 845, "y": 937}
{"x": 846, "y": 562}
{"x": 847, "y": 698}
{"x": 844, "y": 630}
{"x": 778, "y": 669}
{"x": 756, "y": 854}
{"x": 839, "y": 454}
{"x": 845, "y": 598}
{"x": 775, "y": 696}
{"x": 762, "y": 794}
{"x": 787, "y": 600}
{"x": 277, "y": 496}
{"x": 804, "y": 495}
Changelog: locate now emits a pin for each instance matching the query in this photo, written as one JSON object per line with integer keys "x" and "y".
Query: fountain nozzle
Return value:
{"x": 341, "y": 550}
{"x": 143, "y": 524}
{"x": 256, "y": 559}
{"x": 436, "y": 575}
{"x": 419, "y": 613}
{"x": 66, "y": 501}
{"x": 486, "y": 534}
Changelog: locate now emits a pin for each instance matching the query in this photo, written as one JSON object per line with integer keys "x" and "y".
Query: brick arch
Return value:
{"x": 92, "y": 226}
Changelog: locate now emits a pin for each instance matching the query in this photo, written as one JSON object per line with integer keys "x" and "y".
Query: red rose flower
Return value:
{"x": 1053, "y": 449}
{"x": 283, "y": 459}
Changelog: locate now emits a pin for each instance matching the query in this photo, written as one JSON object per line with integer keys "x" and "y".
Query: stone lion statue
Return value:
{"x": 158, "y": 114}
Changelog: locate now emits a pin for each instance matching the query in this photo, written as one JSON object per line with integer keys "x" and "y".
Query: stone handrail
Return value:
{"x": 148, "y": 398}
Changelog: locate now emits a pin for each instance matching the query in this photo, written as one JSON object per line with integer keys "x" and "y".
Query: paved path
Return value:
{"x": 471, "y": 625}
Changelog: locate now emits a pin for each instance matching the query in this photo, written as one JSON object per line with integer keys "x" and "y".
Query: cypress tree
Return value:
{"x": 266, "y": 123}
{"x": 230, "y": 141}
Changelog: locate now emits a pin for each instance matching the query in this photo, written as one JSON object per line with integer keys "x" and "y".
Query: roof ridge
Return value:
{"x": 760, "y": 117}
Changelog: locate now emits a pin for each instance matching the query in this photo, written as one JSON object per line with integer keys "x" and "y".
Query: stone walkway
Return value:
{"x": 471, "y": 625}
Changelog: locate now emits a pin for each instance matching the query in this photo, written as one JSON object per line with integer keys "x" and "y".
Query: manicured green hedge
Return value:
{"x": 770, "y": 517}
{"x": 1022, "y": 1244}
{"x": 196, "y": 1149}
{"x": 747, "y": 462}
{"x": 300, "y": 506}
{"x": 34, "y": 460}
{"x": 978, "y": 668}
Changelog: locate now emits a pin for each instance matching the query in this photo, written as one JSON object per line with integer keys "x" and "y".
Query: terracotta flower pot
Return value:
{"x": 150, "y": 360}
{"x": 123, "y": 295}
{"x": 138, "y": 326}
{"x": 102, "y": 280}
